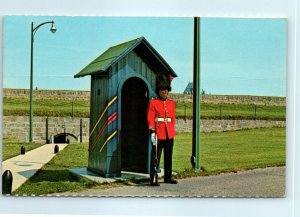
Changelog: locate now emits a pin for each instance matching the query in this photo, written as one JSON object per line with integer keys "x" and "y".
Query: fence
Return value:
{"x": 232, "y": 111}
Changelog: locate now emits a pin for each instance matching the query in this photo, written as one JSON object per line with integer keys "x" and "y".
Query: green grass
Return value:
{"x": 220, "y": 152}
{"x": 12, "y": 148}
{"x": 46, "y": 107}
{"x": 233, "y": 150}
{"x": 80, "y": 108}
{"x": 233, "y": 111}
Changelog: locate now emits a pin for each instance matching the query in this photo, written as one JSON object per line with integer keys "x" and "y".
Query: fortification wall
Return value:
{"x": 17, "y": 127}
{"x": 226, "y": 125}
{"x": 47, "y": 94}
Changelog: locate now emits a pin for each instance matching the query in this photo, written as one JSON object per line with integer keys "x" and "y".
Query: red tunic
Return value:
{"x": 161, "y": 118}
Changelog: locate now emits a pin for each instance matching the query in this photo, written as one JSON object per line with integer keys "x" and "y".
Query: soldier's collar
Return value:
{"x": 162, "y": 99}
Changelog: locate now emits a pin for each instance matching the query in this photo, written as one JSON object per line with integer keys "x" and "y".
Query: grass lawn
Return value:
{"x": 233, "y": 111}
{"x": 12, "y": 148}
{"x": 80, "y": 108}
{"x": 232, "y": 150}
{"x": 46, "y": 107}
{"x": 239, "y": 111}
{"x": 220, "y": 152}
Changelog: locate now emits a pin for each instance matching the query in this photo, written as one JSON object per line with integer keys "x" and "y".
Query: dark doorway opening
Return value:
{"x": 134, "y": 133}
{"x": 64, "y": 138}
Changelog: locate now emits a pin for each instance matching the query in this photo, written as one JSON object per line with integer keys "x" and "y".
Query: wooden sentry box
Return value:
{"x": 123, "y": 80}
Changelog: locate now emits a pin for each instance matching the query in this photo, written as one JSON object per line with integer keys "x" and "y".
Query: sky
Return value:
{"x": 246, "y": 56}
{"x": 238, "y": 56}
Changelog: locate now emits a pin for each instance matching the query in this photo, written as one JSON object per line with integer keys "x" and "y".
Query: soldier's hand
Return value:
{"x": 153, "y": 138}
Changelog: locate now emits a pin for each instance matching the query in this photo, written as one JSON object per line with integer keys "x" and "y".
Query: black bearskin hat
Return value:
{"x": 163, "y": 83}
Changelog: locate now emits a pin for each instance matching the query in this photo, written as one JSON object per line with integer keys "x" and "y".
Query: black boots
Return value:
{"x": 154, "y": 179}
{"x": 171, "y": 181}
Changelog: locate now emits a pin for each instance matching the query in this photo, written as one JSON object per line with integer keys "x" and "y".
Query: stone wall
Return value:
{"x": 17, "y": 127}
{"x": 228, "y": 125}
{"x": 85, "y": 95}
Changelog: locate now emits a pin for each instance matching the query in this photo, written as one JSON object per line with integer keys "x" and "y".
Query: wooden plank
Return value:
{"x": 144, "y": 69}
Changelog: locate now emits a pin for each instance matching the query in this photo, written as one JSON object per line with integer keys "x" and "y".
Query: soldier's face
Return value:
{"x": 163, "y": 94}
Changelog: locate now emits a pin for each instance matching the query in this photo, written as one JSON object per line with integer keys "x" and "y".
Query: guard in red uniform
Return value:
{"x": 161, "y": 122}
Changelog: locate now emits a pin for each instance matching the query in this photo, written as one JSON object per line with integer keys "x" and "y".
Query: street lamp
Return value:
{"x": 33, "y": 31}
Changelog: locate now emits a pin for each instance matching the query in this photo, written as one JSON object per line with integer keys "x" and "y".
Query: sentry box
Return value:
{"x": 123, "y": 80}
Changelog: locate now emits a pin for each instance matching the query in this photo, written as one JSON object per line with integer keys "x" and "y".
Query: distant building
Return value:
{"x": 189, "y": 88}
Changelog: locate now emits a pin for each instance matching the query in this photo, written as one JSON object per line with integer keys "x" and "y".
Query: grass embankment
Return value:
{"x": 77, "y": 108}
{"x": 220, "y": 152}
{"x": 46, "y": 107}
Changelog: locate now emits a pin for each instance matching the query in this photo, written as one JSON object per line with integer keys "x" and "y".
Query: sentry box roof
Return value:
{"x": 115, "y": 53}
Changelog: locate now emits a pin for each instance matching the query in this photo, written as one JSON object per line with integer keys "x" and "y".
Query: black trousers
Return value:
{"x": 167, "y": 146}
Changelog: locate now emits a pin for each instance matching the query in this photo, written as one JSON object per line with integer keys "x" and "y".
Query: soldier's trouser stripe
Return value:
{"x": 109, "y": 121}
{"x": 101, "y": 116}
{"x": 107, "y": 140}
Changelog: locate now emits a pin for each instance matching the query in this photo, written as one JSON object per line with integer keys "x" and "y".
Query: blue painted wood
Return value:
{"x": 108, "y": 162}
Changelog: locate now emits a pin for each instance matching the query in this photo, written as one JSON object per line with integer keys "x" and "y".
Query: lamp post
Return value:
{"x": 33, "y": 31}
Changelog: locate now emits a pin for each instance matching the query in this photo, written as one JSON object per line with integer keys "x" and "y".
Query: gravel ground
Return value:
{"x": 267, "y": 182}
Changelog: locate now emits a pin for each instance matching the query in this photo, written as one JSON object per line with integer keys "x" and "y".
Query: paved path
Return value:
{"x": 23, "y": 167}
{"x": 267, "y": 182}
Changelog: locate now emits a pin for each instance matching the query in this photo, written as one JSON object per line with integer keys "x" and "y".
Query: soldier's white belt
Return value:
{"x": 163, "y": 119}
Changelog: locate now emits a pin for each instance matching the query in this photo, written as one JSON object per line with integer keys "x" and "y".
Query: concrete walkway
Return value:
{"x": 23, "y": 167}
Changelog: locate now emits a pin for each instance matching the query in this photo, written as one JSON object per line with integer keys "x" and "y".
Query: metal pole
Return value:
{"x": 72, "y": 110}
{"x": 185, "y": 111}
{"x": 195, "y": 159}
{"x": 47, "y": 140}
{"x": 32, "y": 32}
{"x": 31, "y": 85}
{"x": 80, "y": 130}
{"x": 65, "y": 132}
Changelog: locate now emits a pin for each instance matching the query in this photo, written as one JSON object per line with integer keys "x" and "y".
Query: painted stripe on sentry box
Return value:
{"x": 108, "y": 122}
{"x": 107, "y": 140}
{"x": 101, "y": 116}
